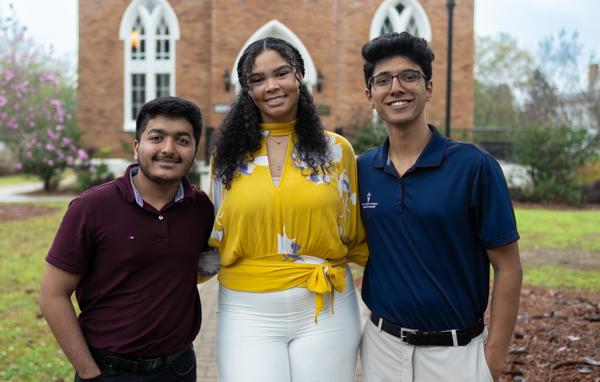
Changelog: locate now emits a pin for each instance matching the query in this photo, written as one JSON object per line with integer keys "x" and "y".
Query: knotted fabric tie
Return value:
{"x": 326, "y": 278}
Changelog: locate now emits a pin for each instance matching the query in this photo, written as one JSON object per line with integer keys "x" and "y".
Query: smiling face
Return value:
{"x": 400, "y": 106}
{"x": 165, "y": 150}
{"x": 274, "y": 87}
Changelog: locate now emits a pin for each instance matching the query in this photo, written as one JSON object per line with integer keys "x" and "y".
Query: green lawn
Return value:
{"x": 28, "y": 351}
{"x": 559, "y": 229}
{"x": 17, "y": 179}
{"x": 27, "y": 348}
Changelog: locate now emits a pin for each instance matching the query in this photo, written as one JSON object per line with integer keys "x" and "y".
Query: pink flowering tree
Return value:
{"x": 36, "y": 108}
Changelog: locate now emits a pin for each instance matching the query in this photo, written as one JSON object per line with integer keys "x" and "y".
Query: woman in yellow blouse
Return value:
{"x": 287, "y": 222}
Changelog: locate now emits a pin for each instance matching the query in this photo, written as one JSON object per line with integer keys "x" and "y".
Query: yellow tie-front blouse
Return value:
{"x": 262, "y": 231}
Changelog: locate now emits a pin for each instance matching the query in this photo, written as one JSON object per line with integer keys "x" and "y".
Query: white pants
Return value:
{"x": 386, "y": 359}
{"x": 272, "y": 337}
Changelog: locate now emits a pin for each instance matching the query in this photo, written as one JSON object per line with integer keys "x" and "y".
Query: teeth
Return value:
{"x": 398, "y": 103}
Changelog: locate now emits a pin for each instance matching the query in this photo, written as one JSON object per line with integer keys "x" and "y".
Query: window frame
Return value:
{"x": 152, "y": 13}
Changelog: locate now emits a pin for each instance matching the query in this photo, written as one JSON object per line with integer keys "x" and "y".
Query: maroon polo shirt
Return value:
{"x": 138, "y": 293}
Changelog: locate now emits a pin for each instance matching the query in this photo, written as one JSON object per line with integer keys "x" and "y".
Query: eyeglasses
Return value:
{"x": 281, "y": 74}
{"x": 406, "y": 78}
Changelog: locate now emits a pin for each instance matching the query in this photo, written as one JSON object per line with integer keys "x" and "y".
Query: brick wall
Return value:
{"x": 214, "y": 31}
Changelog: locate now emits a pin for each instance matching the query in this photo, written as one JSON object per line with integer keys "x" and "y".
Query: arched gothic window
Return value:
{"x": 399, "y": 16}
{"x": 149, "y": 30}
{"x": 275, "y": 28}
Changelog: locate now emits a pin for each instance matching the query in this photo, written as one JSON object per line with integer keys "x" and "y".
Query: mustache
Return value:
{"x": 171, "y": 158}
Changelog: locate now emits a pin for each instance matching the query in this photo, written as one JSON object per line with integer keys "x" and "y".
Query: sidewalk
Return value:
{"x": 205, "y": 343}
{"x": 18, "y": 193}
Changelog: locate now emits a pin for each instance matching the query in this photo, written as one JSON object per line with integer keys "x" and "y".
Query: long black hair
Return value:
{"x": 240, "y": 134}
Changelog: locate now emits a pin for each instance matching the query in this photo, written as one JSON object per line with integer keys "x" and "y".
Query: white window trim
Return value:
{"x": 400, "y": 22}
{"x": 275, "y": 28}
{"x": 150, "y": 66}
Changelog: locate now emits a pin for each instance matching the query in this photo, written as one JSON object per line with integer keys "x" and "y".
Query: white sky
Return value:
{"x": 54, "y": 22}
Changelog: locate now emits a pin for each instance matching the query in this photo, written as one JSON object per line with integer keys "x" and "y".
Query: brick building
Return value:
{"x": 131, "y": 51}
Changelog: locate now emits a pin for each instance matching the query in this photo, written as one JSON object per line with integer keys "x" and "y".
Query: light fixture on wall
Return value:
{"x": 320, "y": 79}
{"x": 226, "y": 80}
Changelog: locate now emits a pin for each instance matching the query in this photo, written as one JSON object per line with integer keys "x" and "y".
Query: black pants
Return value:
{"x": 181, "y": 369}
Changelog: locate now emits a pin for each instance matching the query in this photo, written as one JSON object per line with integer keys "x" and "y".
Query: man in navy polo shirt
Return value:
{"x": 436, "y": 213}
{"x": 129, "y": 249}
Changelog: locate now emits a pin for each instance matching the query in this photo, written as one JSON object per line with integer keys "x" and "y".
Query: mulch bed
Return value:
{"x": 19, "y": 211}
{"x": 557, "y": 337}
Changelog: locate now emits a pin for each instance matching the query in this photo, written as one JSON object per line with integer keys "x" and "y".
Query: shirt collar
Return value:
{"x": 432, "y": 155}
{"x": 130, "y": 192}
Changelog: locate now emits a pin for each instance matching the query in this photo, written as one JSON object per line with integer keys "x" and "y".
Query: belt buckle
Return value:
{"x": 403, "y": 332}
{"x": 156, "y": 362}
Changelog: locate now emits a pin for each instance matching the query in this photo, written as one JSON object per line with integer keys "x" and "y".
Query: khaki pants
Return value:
{"x": 386, "y": 359}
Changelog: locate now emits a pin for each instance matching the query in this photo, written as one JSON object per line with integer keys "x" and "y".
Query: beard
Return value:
{"x": 145, "y": 168}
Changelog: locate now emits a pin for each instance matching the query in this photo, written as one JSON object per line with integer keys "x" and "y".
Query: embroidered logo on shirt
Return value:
{"x": 369, "y": 204}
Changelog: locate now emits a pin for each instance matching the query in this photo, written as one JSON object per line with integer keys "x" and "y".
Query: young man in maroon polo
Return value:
{"x": 129, "y": 249}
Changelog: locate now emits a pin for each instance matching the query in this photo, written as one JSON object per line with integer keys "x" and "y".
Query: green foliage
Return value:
{"x": 500, "y": 60}
{"x": 94, "y": 173}
{"x": 369, "y": 135}
{"x": 552, "y": 154}
{"x": 494, "y": 105}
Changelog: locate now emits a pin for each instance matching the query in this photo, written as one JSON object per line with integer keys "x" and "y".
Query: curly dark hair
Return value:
{"x": 240, "y": 133}
{"x": 397, "y": 44}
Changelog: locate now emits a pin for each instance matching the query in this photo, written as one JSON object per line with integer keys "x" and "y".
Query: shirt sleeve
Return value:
{"x": 353, "y": 232}
{"x": 492, "y": 207}
{"x": 72, "y": 248}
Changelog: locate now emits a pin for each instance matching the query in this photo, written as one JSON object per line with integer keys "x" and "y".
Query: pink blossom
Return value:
{"x": 49, "y": 162}
{"x": 28, "y": 154}
{"x": 52, "y": 135}
{"x": 60, "y": 155}
{"x": 69, "y": 159}
{"x": 67, "y": 141}
{"x": 50, "y": 147}
{"x": 2, "y": 100}
{"x": 12, "y": 124}
{"x": 81, "y": 155}
{"x": 60, "y": 127}
{"x": 18, "y": 166}
{"x": 8, "y": 74}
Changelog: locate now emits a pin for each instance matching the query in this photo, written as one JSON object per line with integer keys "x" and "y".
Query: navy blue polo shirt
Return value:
{"x": 428, "y": 232}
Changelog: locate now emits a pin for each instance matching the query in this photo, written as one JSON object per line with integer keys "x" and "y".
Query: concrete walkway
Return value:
{"x": 205, "y": 343}
{"x": 19, "y": 193}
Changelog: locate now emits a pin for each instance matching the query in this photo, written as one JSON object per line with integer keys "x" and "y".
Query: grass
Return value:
{"x": 17, "y": 179}
{"x": 553, "y": 276}
{"x": 572, "y": 229}
{"x": 29, "y": 351}
{"x": 27, "y": 348}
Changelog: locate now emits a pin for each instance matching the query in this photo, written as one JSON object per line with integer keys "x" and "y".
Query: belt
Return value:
{"x": 134, "y": 364}
{"x": 457, "y": 337}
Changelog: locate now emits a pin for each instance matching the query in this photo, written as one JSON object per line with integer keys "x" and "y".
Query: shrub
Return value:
{"x": 369, "y": 135}
{"x": 552, "y": 155}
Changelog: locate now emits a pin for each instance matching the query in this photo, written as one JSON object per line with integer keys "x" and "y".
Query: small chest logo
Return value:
{"x": 369, "y": 204}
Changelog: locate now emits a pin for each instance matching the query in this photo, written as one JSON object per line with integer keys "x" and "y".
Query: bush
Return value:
{"x": 552, "y": 155}
{"x": 369, "y": 135}
{"x": 94, "y": 172}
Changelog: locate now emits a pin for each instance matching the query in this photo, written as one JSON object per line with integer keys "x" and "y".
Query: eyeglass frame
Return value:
{"x": 293, "y": 71}
{"x": 371, "y": 81}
